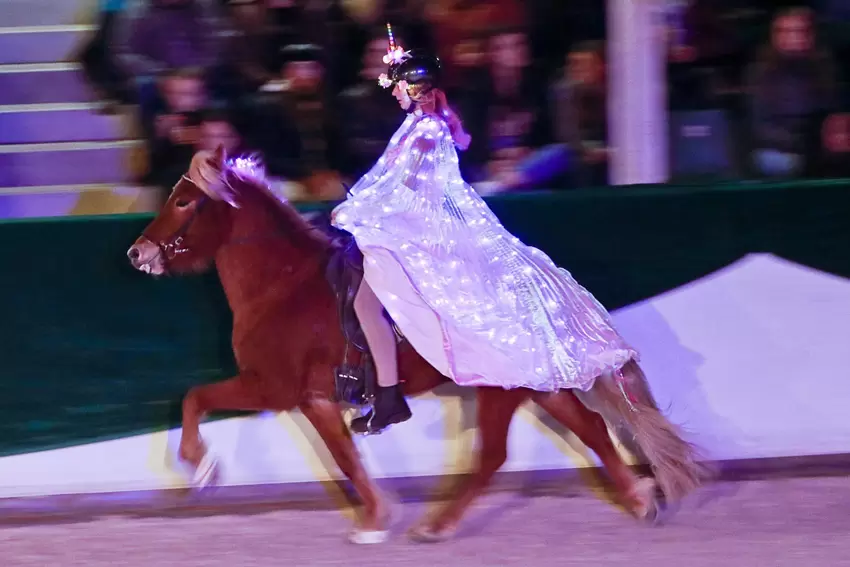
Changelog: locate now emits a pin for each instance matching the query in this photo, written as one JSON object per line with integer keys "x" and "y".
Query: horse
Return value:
{"x": 287, "y": 340}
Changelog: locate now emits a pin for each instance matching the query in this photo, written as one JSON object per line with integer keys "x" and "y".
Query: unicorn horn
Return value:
{"x": 390, "y": 34}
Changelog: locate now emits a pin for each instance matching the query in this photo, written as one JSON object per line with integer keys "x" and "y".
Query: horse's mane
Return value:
{"x": 246, "y": 172}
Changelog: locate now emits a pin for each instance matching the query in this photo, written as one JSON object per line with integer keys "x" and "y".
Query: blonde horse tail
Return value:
{"x": 626, "y": 402}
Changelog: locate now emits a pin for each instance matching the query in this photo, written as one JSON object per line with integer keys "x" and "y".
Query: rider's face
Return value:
{"x": 402, "y": 97}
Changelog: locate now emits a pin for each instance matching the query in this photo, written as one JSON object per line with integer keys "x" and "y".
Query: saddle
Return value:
{"x": 355, "y": 382}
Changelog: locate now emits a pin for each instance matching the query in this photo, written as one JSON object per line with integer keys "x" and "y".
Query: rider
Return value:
{"x": 474, "y": 301}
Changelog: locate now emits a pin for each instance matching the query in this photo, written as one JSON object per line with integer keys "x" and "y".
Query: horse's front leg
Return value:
{"x": 231, "y": 394}
{"x": 326, "y": 417}
{"x": 496, "y": 408}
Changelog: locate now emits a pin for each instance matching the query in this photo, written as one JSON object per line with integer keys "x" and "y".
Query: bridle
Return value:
{"x": 171, "y": 247}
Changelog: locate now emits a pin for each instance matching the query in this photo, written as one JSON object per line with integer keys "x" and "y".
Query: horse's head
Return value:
{"x": 192, "y": 225}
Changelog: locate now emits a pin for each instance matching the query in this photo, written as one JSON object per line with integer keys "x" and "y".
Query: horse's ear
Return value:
{"x": 219, "y": 156}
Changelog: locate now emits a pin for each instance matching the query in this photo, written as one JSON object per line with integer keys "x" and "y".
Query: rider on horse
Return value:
{"x": 473, "y": 300}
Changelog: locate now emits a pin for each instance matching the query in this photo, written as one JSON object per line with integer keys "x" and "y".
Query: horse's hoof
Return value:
{"x": 648, "y": 510}
{"x": 207, "y": 473}
{"x": 368, "y": 537}
{"x": 652, "y": 515}
{"x": 665, "y": 511}
{"x": 426, "y": 534}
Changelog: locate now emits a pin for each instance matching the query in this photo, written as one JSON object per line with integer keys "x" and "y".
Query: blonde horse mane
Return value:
{"x": 208, "y": 171}
{"x": 213, "y": 174}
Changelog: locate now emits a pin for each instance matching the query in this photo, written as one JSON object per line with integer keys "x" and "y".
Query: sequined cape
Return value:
{"x": 472, "y": 299}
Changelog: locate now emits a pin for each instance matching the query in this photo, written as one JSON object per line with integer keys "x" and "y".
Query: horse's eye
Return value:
{"x": 182, "y": 204}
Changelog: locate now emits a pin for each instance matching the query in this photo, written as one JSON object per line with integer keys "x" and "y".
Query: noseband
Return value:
{"x": 172, "y": 246}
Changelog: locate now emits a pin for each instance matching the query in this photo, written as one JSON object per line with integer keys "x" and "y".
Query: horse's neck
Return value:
{"x": 261, "y": 261}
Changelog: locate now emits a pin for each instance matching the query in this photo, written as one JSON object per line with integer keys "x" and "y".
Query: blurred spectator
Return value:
{"x": 368, "y": 116}
{"x": 256, "y": 43}
{"x": 580, "y": 112}
{"x": 501, "y": 110}
{"x": 315, "y": 22}
{"x": 299, "y": 83}
{"x": 365, "y": 12}
{"x": 698, "y": 46}
{"x": 461, "y": 28}
{"x": 300, "y": 100}
{"x": 835, "y": 162}
{"x": 406, "y": 15}
{"x": 164, "y": 35}
{"x": 218, "y": 130}
{"x": 792, "y": 90}
{"x": 556, "y": 26}
{"x": 99, "y": 64}
{"x": 302, "y": 20}
{"x": 176, "y": 120}
{"x": 264, "y": 27}
{"x": 355, "y": 24}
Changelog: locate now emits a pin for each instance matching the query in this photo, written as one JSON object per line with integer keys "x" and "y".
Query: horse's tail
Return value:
{"x": 626, "y": 402}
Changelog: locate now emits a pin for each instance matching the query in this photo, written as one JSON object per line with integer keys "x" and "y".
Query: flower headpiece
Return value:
{"x": 395, "y": 55}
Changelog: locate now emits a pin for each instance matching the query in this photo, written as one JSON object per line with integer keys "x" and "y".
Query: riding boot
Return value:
{"x": 389, "y": 408}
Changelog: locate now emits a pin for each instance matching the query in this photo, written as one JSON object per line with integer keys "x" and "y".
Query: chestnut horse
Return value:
{"x": 287, "y": 340}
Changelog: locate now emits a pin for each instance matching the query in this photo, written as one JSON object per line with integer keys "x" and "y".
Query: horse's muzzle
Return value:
{"x": 146, "y": 257}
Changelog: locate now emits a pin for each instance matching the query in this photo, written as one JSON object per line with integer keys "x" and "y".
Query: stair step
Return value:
{"x": 42, "y": 44}
{"x": 43, "y": 83}
{"x": 82, "y": 163}
{"x": 76, "y": 122}
{"x": 63, "y": 200}
{"x": 15, "y": 13}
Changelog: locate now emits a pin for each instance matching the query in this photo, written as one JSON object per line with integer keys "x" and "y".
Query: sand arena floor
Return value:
{"x": 779, "y": 523}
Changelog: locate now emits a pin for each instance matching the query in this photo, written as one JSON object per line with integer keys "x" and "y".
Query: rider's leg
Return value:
{"x": 379, "y": 333}
{"x": 390, "y": 406}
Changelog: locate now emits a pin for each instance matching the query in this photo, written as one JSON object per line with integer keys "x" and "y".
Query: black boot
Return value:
{"x": 389, "y": 408}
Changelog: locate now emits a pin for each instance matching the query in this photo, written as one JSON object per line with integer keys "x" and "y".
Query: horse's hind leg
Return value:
{"x": 326, "y": 417}
{"x": 592, "y": 430}
{"x": 675, "y": 462}
{"x": 231, "y": 394}
{"x": 496, "y": 408}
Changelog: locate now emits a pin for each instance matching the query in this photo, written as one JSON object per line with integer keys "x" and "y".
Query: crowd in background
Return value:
{"x": 754, "y": 86}
{"x": 757, "y": 91}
